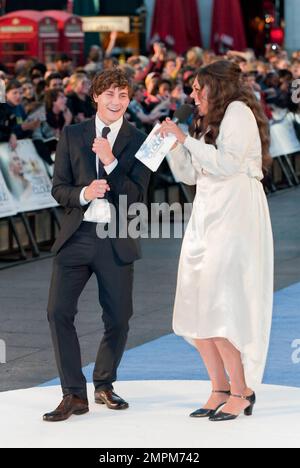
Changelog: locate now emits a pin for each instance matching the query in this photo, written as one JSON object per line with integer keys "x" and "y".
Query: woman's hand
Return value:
{"x": 68, "y": 116}
{"x": 168, "y": 127}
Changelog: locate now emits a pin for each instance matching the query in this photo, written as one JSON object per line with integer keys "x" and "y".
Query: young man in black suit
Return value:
{"x": 95, "y": 165}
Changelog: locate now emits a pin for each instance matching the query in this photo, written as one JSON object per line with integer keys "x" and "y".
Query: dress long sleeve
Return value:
{"x": 180, "y": 162}
{"x": 238, "y": 132}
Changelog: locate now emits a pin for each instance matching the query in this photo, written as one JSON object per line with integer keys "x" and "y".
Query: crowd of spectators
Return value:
{"x": 43, "y": 98}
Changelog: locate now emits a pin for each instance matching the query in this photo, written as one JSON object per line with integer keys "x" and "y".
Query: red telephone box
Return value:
{"x": 71, "y": 34}
{"x": 26, "y": 34}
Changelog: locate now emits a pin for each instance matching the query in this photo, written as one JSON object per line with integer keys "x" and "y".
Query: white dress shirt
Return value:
{"x": 99, "y": 209}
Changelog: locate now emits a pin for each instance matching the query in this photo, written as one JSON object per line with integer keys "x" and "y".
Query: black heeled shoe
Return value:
{"x": 219, "y": 417}
{"x": 208, "y": 413}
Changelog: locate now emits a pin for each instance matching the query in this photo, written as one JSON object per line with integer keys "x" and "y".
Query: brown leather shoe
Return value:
{"x": 70, "y": 404}
{"x": 111, "y": 400}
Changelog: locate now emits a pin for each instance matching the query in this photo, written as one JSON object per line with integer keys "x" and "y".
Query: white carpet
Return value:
{"x": 157, "y": 418}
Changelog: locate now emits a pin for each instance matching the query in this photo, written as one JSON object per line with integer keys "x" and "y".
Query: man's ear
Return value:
{"x": 95, "y": 97}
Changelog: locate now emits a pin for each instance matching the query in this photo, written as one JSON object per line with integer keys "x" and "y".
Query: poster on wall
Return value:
{"x": 26, "y": 177}
{"x": 7, "y": 203}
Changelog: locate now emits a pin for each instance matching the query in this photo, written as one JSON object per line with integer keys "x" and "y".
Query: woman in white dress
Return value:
{"x": 224, "y": 294}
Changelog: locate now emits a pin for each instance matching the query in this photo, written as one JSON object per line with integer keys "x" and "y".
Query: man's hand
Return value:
{"x": 103, "y": 150}
{"x": 97, "y": 189}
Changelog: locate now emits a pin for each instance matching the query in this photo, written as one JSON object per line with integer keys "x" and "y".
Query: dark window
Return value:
{"x": 15, "y": 47}
{"x": 13, "y": 5}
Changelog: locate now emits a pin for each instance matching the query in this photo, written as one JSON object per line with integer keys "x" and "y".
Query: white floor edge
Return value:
{"x": 157, "y": 418}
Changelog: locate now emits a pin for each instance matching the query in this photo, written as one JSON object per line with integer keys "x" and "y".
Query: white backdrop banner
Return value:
{"x": 26, "y": 177}
{"x": 284, "y": 140}
{"x": 7, "y": 203}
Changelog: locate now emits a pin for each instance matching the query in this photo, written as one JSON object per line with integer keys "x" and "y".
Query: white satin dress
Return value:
{"x": 226, "y": 271}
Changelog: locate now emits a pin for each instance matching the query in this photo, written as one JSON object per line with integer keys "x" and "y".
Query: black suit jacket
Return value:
{"x": 75, "y": 168}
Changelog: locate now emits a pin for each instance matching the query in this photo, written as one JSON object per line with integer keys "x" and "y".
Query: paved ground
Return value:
{"x": 24, "y": 290}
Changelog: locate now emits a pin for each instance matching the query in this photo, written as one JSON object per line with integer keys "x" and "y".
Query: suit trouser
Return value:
{"x": 83, "y": 255}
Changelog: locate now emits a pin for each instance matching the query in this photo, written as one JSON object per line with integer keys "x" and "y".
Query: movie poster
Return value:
{"x": 26, "y": 177}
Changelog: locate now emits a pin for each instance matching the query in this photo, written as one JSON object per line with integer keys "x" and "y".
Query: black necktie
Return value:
{"x": 101, "y": 170}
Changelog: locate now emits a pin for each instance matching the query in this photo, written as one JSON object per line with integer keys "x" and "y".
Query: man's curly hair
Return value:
{"x": 107, "y": 78}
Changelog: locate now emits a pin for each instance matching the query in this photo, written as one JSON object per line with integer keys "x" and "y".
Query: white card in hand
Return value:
{"x": 155, "y": 149}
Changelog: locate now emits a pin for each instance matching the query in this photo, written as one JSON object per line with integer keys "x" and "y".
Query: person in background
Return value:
{"x": 23, "y": 128}
{"x": 178, "y": 96}
{"x": 95, "y": 60}
{"x": 37, "y": 79}
{"x": 38, "y": 69}
{"x": 79, "y": 102}
{"x": 151, "y": 83}
{"x": 208, "y": 57}
{"x": 284, "y": 94}
{"x": 164, "y": 91}
{"x": 138, "y": 113}
{"x": 7, "y": 119}
{"x": 57, "y": 113}
{"x": 295, "y": 69}
{"x": 270, "y": 86}
{"x": 262, "y": 69}
{"x": 194, "y": 58}
{"x": 239, "y": 60}
{"x": 173, "y": 68}
{"x": 129, "y": 71}
{"x": 7, "y": 124}
{"x": 29, "y": 101}
{"x": 54, "y": 81}
{"x": 95, "y": 56}
{"x": 63, "y": 65}
{"x": 46, "y": 136}
{"x": 250, "y": 80}
{"x": 51, "y": 68}
{"x": 157, "y": 61}
{"x": 110, "y": 62}
{"x": 21, "y": 68}
{"x": 188, "y": 81}
{"x": 136, "y": 64}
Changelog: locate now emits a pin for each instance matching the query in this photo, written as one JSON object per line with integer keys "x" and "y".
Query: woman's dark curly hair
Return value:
{"x": 51, "y": 97}
{"x": 225, "y": 85}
